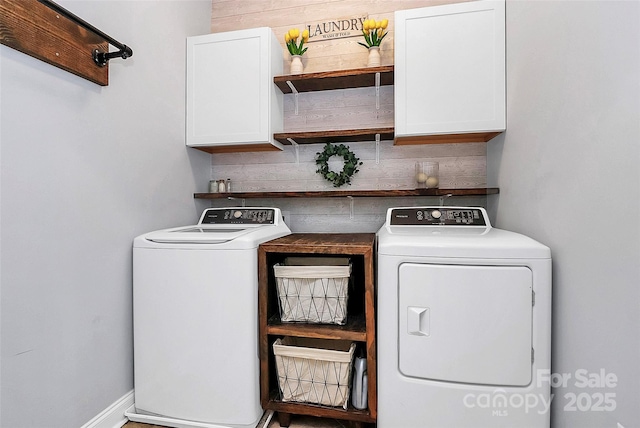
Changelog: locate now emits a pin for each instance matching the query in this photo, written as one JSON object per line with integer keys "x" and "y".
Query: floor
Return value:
{"x": 296, "y": 422}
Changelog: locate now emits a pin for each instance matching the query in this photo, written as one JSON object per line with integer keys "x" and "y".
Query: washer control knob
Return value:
{"x": 237, "y": 214}
{"x": 436, "y": 214}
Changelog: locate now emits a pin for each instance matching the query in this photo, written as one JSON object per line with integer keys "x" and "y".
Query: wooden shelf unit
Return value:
{"x": 358, "y": 78}
{"x": 332, "y": 80}
{"x": 481, "y": 191}
{"x": 360, "y": 327}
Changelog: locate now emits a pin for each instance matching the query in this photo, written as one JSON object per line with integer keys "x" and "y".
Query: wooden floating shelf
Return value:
{"x": 336, "y": 136}
{"x": 330, "y": 80}
{"x": 481, "y": 191}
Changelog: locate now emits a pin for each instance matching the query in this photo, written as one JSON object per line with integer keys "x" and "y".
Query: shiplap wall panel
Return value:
{"x": 333, "y": 214}
{"x": 461, "y": 165}
{"x": 341, "y": 109}
{"x": 322, "y": 55}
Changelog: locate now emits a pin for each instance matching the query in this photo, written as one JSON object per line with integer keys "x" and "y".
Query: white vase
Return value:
{"x": 296, "y": 64}
{"x": 374, "y": 56}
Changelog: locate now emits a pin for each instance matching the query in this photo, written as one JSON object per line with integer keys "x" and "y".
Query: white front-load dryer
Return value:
{"x": 464, "y": 322}
{"x": 195, "y": 320}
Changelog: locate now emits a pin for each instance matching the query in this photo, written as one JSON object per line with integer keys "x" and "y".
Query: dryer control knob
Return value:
{"x": 237, "y": 214}
{"x": 436, "y": 214}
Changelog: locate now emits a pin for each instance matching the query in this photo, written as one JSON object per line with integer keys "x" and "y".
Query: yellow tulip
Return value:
{"x": 297, "y": 33}
{"x": 385, "y": 22}
{"x": 287, "y": 38}
{"x": 365, "y": 25}
{"x": 305, "y": 35}
{"x": 378, "y": 24}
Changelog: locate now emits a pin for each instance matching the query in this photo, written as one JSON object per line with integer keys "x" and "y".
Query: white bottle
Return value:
{"x": 360, "y": 384}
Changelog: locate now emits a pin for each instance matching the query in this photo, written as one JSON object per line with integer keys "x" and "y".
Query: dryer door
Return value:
{"x": 463, "y": 323}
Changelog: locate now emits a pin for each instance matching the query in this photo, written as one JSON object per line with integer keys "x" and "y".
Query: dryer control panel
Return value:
{"x": 438, "y": 216}
{"x": 238, "y": 216}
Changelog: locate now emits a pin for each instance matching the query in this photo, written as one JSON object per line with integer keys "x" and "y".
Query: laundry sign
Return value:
{"x": 336, "y": 28}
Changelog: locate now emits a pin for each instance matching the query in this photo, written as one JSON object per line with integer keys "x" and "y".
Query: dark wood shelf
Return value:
{"x": 341, "y": 79}
{"x": 334, "y": 136}
{"x": 355, "y": 329}
{"x": 480, "y": 191}
{"x": 275, "y": 403}
{"x": 321, "y": 243}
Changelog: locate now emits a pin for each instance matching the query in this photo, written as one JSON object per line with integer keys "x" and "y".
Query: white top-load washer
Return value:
{"x": 464, "y": 322}
{"x": 195, "y": 315}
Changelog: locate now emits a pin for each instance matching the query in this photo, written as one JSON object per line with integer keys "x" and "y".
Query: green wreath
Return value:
{"x": 351, "y": 163}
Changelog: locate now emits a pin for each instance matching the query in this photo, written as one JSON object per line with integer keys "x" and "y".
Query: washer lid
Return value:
{"x": 198, "y": 234}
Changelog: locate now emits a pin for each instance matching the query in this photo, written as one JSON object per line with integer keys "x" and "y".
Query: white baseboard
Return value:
{"x": 113, "y": 416}
{"x": 157, "y": 420}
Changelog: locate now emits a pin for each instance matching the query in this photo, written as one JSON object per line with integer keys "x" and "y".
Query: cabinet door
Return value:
{"x": 450, "y": 69}
{"x": 231, "y": 98}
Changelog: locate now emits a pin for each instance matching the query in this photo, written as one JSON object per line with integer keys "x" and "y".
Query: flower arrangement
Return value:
{"x": 373, "y": 32}
{"x": 291, "y": 39}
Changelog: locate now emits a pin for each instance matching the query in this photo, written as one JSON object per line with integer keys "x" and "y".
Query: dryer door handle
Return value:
{"x": 418, "y": 321}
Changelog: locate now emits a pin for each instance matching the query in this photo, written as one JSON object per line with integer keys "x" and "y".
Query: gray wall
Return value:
{"x": 567, "y": 169}
{"x": 84, "y": 169}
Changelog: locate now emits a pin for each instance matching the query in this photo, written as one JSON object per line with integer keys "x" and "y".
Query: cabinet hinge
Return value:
{"x": 532, "y": 355}
{"x": 533, "y": 298}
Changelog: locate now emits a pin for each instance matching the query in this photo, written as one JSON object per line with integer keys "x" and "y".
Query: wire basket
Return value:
{"x": 314, "y": 370}
{"x": 313, "y": 293}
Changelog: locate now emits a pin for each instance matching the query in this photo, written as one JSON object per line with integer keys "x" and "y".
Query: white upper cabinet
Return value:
{"x": 450, "y": 72}
{"x": 232, "y": 102}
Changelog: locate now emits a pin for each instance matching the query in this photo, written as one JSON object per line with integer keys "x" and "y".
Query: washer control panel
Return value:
{"x": 438, "y": 216}
{"x": 238, "y": 216}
